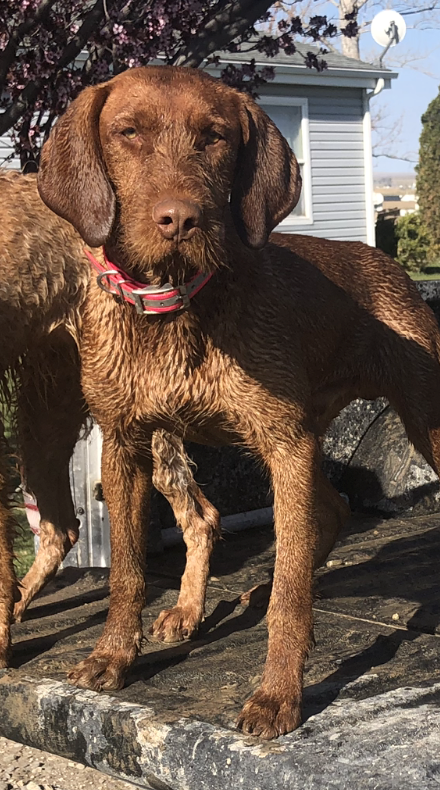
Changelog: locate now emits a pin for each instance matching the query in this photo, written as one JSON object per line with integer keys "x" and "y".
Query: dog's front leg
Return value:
{"x": 275, "y": 708}
{"x": 127, "y": 481}
{"x": 200, "y": 523}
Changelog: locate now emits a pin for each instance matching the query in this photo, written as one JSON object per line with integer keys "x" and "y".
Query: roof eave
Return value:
{"x": 301, "y": 75}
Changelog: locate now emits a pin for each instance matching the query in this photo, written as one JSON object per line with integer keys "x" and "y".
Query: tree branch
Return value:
{"x": 433, "y": 7}
{"x": 30, "y": 93}
{"x": 401, "y": 158}
{"x": 329, "y": 45}
{"x": 9, "y": 52}
{"x": 229, "y": 19}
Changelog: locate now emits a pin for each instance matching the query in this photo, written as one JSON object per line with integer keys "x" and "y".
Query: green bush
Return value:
{"x": 413, "y": 243}
{"x": 428, "y": 177}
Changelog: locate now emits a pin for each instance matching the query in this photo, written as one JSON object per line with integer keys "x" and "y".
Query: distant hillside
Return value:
{"x": 404, "y": 180}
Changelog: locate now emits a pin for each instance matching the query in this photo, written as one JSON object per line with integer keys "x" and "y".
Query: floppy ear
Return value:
{"x": 267, "y": 182}
{"x": 72, "y": 180}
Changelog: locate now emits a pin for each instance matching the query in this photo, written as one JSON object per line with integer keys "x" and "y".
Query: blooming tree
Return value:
{"x": 51, "y": 49}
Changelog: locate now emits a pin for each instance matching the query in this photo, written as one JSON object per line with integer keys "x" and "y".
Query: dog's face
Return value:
{"x": 161, "y": 159}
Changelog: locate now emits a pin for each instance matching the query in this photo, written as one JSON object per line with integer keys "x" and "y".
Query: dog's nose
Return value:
{"x": 177, "y": 219}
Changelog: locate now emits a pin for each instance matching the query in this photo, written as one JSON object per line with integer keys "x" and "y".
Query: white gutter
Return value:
{"x": 368, "y": 162}
{"x": 373, "y": 72}
{"x": 368, "y": 171}
{"x": 380, "y": 85}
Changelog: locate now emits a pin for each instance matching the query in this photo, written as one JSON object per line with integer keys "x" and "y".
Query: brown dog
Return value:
{"x": 44, "y": 276}
{"x": 178, "y": 175}
{"x": 40, "y": 289}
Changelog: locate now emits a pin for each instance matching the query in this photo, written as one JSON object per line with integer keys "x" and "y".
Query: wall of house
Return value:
{"x": 6, "y": 149}
{"x": 337, "y": 160}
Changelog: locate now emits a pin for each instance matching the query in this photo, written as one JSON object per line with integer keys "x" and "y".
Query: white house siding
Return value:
{"x": 6, "y": 149}
{"x": 337, "y": 160}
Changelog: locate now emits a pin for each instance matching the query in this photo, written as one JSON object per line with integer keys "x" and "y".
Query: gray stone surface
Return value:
{"x": 386, "y": 474}
{"x": 346, "y": 434}
{"x": 389, "y": 741}
{"x": 377, "y": 628}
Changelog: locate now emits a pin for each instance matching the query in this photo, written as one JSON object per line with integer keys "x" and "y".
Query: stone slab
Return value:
{"x": 370, "y": 701}
{"x": 385, "y": 742}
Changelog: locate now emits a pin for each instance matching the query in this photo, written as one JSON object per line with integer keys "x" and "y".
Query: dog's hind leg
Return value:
{"x": 51, "y": 411}
{"x": 332, "y": 513}
{"x": 200, "y": 523}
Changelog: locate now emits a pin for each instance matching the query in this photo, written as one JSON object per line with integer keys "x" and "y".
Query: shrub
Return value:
{"x": 413, "y": 243}
{"x": 428, "y": 177}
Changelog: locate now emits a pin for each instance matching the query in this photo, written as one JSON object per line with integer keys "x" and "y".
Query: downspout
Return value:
{"x": 368, "y": 162}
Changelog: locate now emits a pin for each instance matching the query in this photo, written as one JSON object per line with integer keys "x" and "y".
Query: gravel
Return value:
{"x": 30, "y": 769}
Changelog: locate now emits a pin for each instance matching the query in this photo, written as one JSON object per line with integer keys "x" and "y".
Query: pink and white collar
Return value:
{"x": 147, "y": 299}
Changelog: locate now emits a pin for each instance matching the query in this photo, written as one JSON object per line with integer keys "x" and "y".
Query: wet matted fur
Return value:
{"x": 39, "y": 290}
{"x": 284, "y": 335}
{"x": 43, "y": 282}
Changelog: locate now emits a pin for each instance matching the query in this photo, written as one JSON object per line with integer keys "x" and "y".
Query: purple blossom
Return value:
{"x": 131, "y": 33}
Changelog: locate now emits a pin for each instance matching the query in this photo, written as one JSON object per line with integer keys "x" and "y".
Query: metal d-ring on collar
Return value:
{"x": 147, "y": 299}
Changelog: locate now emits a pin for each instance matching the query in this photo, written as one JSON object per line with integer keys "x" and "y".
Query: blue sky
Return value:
{"x": 410, "y": 94}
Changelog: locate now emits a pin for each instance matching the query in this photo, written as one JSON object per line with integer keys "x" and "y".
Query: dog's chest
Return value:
{"x": 167, "y": 374}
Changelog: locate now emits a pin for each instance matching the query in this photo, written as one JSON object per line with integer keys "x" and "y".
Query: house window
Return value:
{"x": 291, "y": 117}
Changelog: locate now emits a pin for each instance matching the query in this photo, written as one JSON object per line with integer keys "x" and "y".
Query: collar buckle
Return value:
{"x": 172, "y": 297}
{"x": 183, "y": 289}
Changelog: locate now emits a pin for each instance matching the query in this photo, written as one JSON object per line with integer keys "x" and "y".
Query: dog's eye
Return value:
{"x": 213, "y": 137}
{"x": 208, "y": 138}
{"x": 130, "y": 133}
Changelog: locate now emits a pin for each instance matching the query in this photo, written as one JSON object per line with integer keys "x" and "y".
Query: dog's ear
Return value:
{"x": 72, "y": 179}
{"x": 267, "y": 182}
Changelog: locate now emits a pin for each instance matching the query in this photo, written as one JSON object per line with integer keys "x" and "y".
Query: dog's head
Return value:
{"x": 160, "y": 159}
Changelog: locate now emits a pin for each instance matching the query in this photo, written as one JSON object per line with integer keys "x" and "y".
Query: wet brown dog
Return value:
{"x": 40, "y": 289}
{"x": 177, "y": 173}
{"x": 43, "y": 281}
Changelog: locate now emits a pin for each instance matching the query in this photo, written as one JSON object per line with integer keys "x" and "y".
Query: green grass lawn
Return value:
{"x": 431, "y": 272}
{"x": 24, "y": 539}
{"x": 423, "y": 276}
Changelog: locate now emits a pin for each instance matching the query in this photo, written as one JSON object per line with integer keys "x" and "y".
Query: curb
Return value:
{"x": 387, "y": 741}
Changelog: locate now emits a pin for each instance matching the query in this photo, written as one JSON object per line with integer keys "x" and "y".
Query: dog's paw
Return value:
{"x": 175, "y": 625}
{"x": 100, "y": 672}
{"x": 268, "y": 717}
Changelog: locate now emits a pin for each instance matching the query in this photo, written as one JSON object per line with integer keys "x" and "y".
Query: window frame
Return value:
{"x": 292, "y": 221}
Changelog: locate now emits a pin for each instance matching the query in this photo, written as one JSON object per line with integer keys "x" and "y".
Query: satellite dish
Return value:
{"x": 388, "y": 28}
